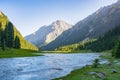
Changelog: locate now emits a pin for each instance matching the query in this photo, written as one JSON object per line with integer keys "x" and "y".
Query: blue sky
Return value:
{"x": 30, "y": 15}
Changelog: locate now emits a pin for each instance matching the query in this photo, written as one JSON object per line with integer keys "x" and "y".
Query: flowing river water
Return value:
{"x": 45, "y": 67}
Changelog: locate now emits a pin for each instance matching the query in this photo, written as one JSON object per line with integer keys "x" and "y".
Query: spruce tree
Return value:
{"x": 17, "y": 42}
{"x": 116, "y": 52}
{"x": 0, "y": 33}
{"x": 2, "y": 40}
{"x": 9, "y": 35}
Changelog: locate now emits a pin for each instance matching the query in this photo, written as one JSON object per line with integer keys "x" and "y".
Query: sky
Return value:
{"x": 29, "y": 15}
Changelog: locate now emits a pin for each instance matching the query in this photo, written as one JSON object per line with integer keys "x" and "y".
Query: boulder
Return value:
{"x": 114, "y": 71}
{"x": 92, "y": 73}
{"x": 101, "y": 75}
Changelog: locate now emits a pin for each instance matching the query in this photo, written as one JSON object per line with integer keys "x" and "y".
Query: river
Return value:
{"x": 43, "y": 67}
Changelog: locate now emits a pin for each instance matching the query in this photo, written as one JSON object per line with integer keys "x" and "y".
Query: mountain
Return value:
{"x": 11, "y": 32}
{"x": 103, "y": 43}
{"x": 93, "y": 26}
{"x": 47, "y": 34}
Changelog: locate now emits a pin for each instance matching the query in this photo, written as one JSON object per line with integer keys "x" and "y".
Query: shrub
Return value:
{"x": 116, "y": 51}
{"x": 96, "y": 63}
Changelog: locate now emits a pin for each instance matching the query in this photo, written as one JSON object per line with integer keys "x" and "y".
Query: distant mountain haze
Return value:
{"x": 93, "y": 26}
{"x": 4, "y": 23}
{"x": 47, "y": 34}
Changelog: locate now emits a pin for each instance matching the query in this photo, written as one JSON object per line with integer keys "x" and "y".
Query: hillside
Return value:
{"x": 106, "y": 41}
{"x": 5, "y": 23}
{"x": 103, "y": 43}
{"x": 95, "y": 25}
{"x": 77, "y": 47}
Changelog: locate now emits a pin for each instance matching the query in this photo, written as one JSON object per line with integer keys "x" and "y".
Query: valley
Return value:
{"x": 44, "y": 41}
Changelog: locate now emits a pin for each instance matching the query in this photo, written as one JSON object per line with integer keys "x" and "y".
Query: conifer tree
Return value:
{"x": 17, "y": 42}
{"x": 9, "y": 35}
{"x": 116, "y": 52}
{"x": 2, "y": 39}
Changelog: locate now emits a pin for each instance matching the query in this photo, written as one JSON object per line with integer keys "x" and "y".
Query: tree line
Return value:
{"x": 7, "y": 37}
{"x": 108, "y": 41}
{"x": 77, "y": 46}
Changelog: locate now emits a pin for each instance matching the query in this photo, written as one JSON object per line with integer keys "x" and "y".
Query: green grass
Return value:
{"x": 81, "y": 51}
{"x": 67, "y": 52}
{"x": 83, "y": 73}
{"x": 51, "y": 52}
{"x": 9, "y": 53}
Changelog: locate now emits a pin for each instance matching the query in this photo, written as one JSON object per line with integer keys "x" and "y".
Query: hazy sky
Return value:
{"x": 30, "y": 15}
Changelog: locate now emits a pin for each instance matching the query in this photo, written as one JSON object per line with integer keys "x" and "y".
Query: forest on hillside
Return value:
{"x": 7, "y": 38}
{"x": 105, "y": 42}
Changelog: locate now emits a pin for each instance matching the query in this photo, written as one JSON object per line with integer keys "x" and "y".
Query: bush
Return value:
{"x": 116, "y": 51}
{"x": 96, "y": 63}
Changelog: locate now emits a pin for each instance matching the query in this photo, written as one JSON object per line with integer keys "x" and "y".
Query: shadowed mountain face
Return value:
{"x": 4, "y": 23}
{"x": 93, "y": 26}
{"x": 47, "y": 34}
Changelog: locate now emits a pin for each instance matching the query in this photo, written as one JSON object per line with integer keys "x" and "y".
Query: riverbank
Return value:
{"x": 68, "y": 52}
{"x": 10, "y": 53}
{"x": 108, "y": 71}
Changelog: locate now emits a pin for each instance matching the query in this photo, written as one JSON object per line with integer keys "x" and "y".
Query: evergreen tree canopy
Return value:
{"x": 2, "y": 39}
{"x": 9, "y": 35}
{"x": 17, "y": 42}
{"x": 116, "y": 52}
{"x": 106, "y": 41}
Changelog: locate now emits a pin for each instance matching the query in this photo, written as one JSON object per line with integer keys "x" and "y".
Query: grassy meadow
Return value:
{"x": 9, "y": 53}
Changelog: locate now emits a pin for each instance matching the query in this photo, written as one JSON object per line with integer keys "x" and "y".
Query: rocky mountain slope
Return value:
{"x": 93, "y": 26}
{"x": 47, "y": 34}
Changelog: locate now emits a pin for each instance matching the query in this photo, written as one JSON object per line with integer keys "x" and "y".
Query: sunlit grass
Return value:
{"x": 9, "y": 53}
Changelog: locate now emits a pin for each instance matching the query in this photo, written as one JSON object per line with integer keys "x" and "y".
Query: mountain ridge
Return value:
{"x": 92, "y": 26}
{"x": 46, "y": 34}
